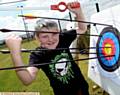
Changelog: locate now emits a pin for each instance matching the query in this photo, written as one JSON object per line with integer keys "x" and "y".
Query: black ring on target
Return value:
{"x": 110, "y": 37}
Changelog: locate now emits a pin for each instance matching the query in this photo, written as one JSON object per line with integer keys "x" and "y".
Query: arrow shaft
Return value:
{"x": 58, "y": 49}
{"x": 71, "y": 20}
{"x": 18, "y": 67}
{"x": 7, "y": 30}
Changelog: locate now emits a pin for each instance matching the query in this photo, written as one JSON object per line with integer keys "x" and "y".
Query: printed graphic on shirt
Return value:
{"x": 61, "y": 68}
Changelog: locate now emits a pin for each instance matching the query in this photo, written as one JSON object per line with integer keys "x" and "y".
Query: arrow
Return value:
{"x": 18, "y": 67}
{"x": 8, "y": 30}
{"x": 58, "y": 49}
{"x": 69, "y": 20}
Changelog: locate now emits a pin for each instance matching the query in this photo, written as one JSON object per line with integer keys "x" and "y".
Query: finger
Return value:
{"x": 69, "y": 6}
{"x": 19, "y": 38}
{"x": 73, "y": 5}
{"x": 10, "y": 36}
{"x": 14, "y": 36}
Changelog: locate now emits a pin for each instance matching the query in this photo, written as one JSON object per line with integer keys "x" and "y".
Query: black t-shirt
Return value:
{"x": 64, "y": 75}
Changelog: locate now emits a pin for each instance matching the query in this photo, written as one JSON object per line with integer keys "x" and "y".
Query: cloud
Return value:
{"x": 11, "y": 22}
{"x": 3, "y": 1}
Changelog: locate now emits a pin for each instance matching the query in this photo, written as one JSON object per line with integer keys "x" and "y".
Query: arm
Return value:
{"x": 26, "y": 75}
{"x": 82, "y": 27}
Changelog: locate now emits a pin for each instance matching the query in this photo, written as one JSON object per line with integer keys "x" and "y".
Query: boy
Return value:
{"x": 65, "y": 77}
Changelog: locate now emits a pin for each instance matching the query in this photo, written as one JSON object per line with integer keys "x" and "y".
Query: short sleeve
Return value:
{"x": 67, "y": 37}
{"x": 35, "y": 58}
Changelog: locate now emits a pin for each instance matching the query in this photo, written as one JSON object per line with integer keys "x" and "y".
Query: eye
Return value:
{"x": 45, "y": 36}
{"x": 55, "y": 34}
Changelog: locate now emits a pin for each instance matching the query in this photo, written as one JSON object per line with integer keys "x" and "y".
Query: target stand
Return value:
{"x": 105, "y": 71}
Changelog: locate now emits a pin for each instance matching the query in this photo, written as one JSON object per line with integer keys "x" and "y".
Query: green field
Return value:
{"x": 9, "y": 82}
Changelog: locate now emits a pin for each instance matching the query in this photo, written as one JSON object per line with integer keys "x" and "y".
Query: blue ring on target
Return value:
{"x": 109, "y": 36}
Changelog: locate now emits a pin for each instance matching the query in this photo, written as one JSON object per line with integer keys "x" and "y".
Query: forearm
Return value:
{"x": 82, "y": 27}
{"x": 22, "y": 73}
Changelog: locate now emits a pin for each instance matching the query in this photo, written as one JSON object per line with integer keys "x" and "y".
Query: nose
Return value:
{"x": 51, "y": 38}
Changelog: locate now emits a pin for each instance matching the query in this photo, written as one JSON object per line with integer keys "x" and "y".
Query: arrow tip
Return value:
{"x": 5, "y": 30}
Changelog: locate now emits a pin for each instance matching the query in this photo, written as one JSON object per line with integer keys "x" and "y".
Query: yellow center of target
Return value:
{"x": 108, "y": 49}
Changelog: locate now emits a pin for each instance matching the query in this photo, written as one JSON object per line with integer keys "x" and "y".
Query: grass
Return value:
{"x": 9, "y": 82}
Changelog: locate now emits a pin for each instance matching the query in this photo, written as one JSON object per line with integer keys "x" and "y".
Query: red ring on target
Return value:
{"x": 110, "y": 50}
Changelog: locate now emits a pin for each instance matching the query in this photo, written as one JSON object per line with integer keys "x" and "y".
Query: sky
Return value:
{"x": 44, "y": 10}
{"x": 9, "y": 12}
{"x": 9, "y": 18}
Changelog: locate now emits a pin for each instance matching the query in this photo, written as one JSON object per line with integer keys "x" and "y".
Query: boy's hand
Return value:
{"x": 72, "y": 7}
{"x": 13, "y": 42}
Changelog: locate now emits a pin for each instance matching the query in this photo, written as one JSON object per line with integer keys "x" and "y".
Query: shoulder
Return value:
{"x": 69, "y": 32}
{"x": 67, "y": 37}
{"x": 38, "y": 52}
{"x": 36, "y": 57}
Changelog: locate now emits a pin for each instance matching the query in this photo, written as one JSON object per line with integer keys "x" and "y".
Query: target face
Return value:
{"x": 108, "y": 44}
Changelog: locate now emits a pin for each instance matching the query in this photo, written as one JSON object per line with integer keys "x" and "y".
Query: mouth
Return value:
{"x": 50, "y": 44}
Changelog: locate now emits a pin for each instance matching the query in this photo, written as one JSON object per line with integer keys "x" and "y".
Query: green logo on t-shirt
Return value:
{"x": 61, "y": 68}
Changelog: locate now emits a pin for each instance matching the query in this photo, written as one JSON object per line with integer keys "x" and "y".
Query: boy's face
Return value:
{"x": 49, "y": 40}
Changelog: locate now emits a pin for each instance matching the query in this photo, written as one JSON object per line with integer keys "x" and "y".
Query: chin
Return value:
{"x": 51, "y": 47}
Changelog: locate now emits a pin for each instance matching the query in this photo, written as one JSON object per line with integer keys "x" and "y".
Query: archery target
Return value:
{"x": 105, "y": 71}
{"x": 108, "y": 45}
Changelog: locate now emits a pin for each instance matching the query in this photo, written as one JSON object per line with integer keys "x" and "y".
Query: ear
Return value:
{"x": 36, "y": 37}
{"x": 37, "y": 40}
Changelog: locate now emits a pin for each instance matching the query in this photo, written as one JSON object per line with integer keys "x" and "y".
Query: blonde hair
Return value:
{"x": 40, "y": 24}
